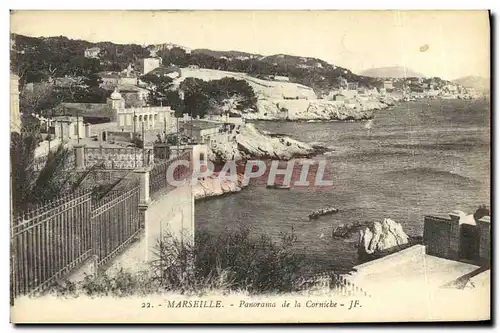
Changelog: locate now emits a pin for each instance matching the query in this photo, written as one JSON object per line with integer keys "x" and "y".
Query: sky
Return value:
{"x": 448, "y": 44}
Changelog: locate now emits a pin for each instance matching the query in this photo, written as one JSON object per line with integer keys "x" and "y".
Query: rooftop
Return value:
{"x": 202, "y": 124}
{"x": 411, "y": 268}
{"x": 67, "y": 119}
{"x": 84, "y": 110}
{"x": 165, "y": 70}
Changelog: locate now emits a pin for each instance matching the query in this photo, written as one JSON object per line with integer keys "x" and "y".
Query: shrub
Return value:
{"x": 232, "y": 260}
{"x": 229, "y": 262}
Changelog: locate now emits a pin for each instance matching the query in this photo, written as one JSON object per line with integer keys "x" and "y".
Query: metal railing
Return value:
{"x": 49, "y": 241}
{"x": 338, "y": 283}
{"x": 115, "y": 222}
{"x": 158, "y": 175}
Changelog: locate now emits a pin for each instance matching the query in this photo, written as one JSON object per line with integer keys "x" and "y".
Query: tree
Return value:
{"x": 42, "y": 97}
{"x": 228, "y": 94}
{"x": 29, "y": 187}
{"x": 196, "y": 100}
{"x": 176, "y": 56}
{"x": 160, "y": 91}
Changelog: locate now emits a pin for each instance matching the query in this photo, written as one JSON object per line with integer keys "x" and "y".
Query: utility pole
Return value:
{"x": 178, "y": 139}
{"x": 62, "y": 134}
{"x": 135, "y": 118}
{"x": 78, "y": 125}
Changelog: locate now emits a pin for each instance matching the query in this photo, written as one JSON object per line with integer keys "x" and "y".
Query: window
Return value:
{"x": 202, "y": 157}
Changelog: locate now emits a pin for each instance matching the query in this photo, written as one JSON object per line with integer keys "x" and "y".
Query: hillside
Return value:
{"x": 276, "y": 100}
{"x": 226, "y": 54}
{"x": 391, "y": 72}
{"x": 263, "y": 89}
{"x": 480, "y": 84}
{"x": 37, "y": 59}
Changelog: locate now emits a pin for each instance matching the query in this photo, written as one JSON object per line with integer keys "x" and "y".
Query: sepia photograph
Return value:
{"x": 192, "y": 166}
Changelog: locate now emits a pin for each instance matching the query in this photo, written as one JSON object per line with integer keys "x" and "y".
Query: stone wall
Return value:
{"x": 449, "y": 238}
{"x": 437, "y": 236}
{"x": 119, "y": 158}
{"x": 484, "y": 226}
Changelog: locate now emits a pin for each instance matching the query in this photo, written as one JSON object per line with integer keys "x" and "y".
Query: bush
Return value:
{"x": 228, "y": 262}
{"x": 120, "y": 284}
{"x": 256, "y": 264}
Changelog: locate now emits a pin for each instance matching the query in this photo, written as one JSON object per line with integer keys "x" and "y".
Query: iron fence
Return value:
{"x": 338, "y": 283}
{"x": 115, "y": 222}
{"x": 49, "y": 241}
{"x": 158, "y": 175}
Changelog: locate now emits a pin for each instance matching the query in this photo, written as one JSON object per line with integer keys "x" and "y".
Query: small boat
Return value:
{"x": 322, "y": 212}
{"x": 278, "y": 187}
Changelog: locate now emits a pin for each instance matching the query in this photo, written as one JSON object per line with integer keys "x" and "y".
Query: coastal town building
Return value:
{"x": 388, "y": 85}
{"x": 352, "y": 86}
{"x": 200, "y": 131}
{"x": 137, "y": 117}
{"x": 15, "y": 115}
{"x": 146, "y": 65}
{"x": 68, "y": 128}
{"x": 134, "y": 96}
{"x": 280, "y": 78}
{"x": 89, "y": 112}
{"x": 92, "y": 52}
{"x": 339, "y": 97}
{"x": 110, "y": 80}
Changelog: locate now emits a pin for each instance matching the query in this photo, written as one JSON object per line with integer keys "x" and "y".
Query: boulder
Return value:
{"x": 382, "y": 237}
{"x": 212, "y": 186}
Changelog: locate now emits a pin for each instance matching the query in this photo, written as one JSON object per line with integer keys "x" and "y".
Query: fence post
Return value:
{"x": 144, "y": 198}
{"x": 80, "y": 157}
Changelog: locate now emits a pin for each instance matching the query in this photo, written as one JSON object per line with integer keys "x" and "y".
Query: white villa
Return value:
{"x": 152, "y": 116}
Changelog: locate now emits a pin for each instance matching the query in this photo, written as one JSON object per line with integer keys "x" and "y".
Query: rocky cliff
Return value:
{"x": 315, "y": 110}
{"x": 213, "y": 186}
{"x": 381, "y": 237}
{"x": 248, "y": 142}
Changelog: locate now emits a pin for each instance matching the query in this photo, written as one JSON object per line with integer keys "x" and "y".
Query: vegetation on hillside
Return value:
{"x": 201, "y": 97}
{"x": 37, "y": 59}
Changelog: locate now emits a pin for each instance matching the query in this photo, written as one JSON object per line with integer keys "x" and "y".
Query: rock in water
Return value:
{"x": 382, "y": 236}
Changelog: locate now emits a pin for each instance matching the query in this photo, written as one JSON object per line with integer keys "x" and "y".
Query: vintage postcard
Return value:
{"x": 250, "y": 166}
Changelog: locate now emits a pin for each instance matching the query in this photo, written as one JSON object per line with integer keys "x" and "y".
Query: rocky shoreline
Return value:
{"x": 248, "y": 142}
{"x": 212, "y": 186}
{"x": 318, "y": 110}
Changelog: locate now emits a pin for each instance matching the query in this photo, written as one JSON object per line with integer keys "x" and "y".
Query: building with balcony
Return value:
{"x": 92, "y": 52}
